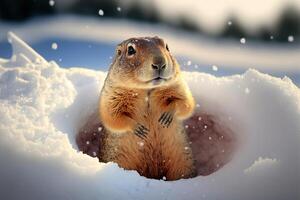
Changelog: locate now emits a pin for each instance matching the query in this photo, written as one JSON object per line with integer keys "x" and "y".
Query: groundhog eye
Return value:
{"x": 131, "y": 50}
{"x": 167, "y": 47}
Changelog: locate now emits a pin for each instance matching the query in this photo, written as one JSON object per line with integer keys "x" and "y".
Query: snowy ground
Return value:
{"x": 42, "y": 106}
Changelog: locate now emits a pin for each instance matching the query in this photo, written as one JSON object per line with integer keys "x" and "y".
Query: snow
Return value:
{"x": 243, "y": 40}
{"x": 51, "y": 2}
{"x": 291, "y": 38}
{"x": 54, "y": 46}
{"x": 119, "y": 9}
{"x": 101, "y": 12}
{"x": 261, "y": 163}
{"x": 42, "y": 106}
{"x": 215, "y": 68}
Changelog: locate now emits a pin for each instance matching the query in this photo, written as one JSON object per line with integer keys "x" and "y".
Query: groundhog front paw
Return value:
{"x": 166, "y": 119}
{"x": 141, "y": 131}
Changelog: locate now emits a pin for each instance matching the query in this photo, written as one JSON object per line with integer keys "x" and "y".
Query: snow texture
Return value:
{"x": 42, "y": 107}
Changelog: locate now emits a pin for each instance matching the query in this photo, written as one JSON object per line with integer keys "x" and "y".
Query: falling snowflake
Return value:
{"x": 229, "y": 23}
{"x": 94, "y": 154}
{"x": 291, "y": 38}
{"x": 215, "y": 68}
{"x": 189, "y": 63}
{"x": 99, "y": 129}
{"x": 243, "y": 40}
{"x": 199, "y": 118}
{"x": 247, "y": 90}
{"x": 210, "y": 138}
{"x": 164, "y": 178}
{"x": 205, "y": 126}
{"x": 141, "y": 144}
{"x": 146, "y": 99}
{"x": 101, "y": 12}
{"x": 271, "y": 37}
{"x": 119, "y": 9}
{"x": 51, "y": 2}
{"x": 54, "y": 46}
{"x": 87, "y": 142}
{"x": 186, "y": 126}
{"x": 186, "y": 148}
{"x": 197, "y": 105}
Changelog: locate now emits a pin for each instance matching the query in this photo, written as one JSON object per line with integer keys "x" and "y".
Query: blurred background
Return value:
{"x": 217, "y": 37}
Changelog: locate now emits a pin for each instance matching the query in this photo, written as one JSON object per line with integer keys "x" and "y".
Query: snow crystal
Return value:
{"x": 214, "y": 68}
{"x": 54, "y": 46}
{"x": 189, "y": 63}
{"x": 140, "y": 143}
{"x": 100, "y": 129}
{"x": 291, "y": 38}
{"x": 243, "y": 40}
{"x": 271, "y": 37}
{"x": 119, "y": 9}
{"x": 101, "y": 12}
{"x": 247, "y": 90}
{"x": 51, "y": 2}
{"x": 229, "y": 23}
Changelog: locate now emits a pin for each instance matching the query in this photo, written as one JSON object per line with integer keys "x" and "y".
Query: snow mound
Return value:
{"x": 42, "y": 107}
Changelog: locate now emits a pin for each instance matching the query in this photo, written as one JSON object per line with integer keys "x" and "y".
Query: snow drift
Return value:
{"x": 42, "y": 107}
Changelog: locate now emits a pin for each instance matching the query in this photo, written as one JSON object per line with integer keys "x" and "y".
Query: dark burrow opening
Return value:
{"x": 212, "y": 143}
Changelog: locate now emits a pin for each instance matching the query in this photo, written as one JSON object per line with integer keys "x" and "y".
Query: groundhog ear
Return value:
{"x": 119, "y": 52}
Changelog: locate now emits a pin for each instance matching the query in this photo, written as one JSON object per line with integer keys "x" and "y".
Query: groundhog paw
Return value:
{"x": 141, "y": 131}
{"x": 166, "y": 119}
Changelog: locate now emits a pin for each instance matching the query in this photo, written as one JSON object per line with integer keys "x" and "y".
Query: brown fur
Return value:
{"x": 128, "y": 99}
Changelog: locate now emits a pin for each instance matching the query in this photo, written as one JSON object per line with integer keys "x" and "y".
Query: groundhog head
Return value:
{"x": 144, "y": 62}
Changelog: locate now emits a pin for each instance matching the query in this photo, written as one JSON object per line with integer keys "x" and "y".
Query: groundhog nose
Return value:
{"x": 159, "y": 67}
{"x": 158, "y": 63}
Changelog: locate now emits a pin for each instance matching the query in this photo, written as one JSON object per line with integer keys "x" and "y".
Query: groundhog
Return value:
{"x": 142, "y": 105}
